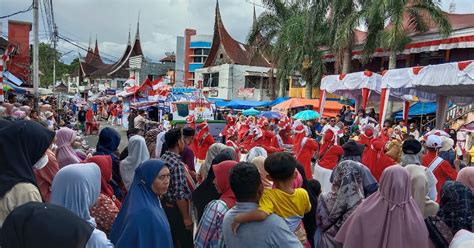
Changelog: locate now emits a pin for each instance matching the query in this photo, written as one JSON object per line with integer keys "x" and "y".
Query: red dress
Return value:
{"x": 443, "y": 172}
{"x": 268, "y": 142}
{"x": 305, "y": 154}
{"x": 205, "y": 140}
{"x": 375, "y": 158}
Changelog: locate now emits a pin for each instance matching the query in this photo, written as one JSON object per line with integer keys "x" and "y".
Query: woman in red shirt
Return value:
{"x": 304, "y": 149}
{"x": 375, "y": 159}
{"x": 329, "y": 155}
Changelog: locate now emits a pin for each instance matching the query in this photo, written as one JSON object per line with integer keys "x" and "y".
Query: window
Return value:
{"x": 206, "y": 51}
{"x": 221, "y": 56}
{"x": 198, "y": 51}
{"x": 198, "y": 60}
{"x": 254, "y": 82}
{"x": 211, "y": 80}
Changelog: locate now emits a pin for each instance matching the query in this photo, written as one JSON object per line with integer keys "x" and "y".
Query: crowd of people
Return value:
{"x": 336, "y": 182}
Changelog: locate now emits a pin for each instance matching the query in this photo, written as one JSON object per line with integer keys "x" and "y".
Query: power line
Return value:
{"x": 18, "y": 12}
{"x": 85, "y": 49}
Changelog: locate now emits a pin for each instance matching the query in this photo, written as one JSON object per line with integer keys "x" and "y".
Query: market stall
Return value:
{"x": 332, "y": 107}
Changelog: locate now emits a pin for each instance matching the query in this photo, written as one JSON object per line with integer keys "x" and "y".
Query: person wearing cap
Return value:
{"x": 412, "y": 156}
{"x": 440, "y": 167}
{"x": 446, "y": 151}
{"x": 204, "y": 140}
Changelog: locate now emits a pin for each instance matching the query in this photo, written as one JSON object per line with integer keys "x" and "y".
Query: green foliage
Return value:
{"x": 47, "y": 56}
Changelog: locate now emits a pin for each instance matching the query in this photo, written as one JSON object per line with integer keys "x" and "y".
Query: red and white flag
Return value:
{"x": 158, "y": 83}
{"x": 1, "y": 81}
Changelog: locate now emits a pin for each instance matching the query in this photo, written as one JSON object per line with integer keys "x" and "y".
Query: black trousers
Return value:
{"x": 182, "y": 238}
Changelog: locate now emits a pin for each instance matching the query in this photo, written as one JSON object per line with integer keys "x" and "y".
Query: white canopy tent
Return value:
{"x": 431, "y": 83}
{"x": 357, "y": 85}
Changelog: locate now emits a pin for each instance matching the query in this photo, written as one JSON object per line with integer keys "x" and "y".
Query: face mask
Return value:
{"x": 41, "y": 163}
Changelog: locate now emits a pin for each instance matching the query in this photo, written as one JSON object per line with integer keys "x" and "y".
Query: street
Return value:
{"x": 92, "y": 139}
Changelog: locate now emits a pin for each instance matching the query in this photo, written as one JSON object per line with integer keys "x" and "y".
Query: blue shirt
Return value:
{"x": 272, "y": 232}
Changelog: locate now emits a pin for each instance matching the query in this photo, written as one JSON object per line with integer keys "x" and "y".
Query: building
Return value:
{"x": 234, "y": 70}
{"x": 142, "y": 69}
{"x": 95, "y": 75}
{"x": 16, "y": 55}
{"x": 192, "y": 50}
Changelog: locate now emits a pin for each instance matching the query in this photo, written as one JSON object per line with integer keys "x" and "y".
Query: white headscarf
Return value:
{"x": 137, "y": 153}
{"x": 160, "y": 140}
{"x": 256, "y": 152}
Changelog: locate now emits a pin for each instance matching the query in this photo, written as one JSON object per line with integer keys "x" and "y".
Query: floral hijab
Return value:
{"x": 456, "y": 206}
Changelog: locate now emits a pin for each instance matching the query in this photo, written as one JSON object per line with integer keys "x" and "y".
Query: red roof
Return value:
{"x": 170, "y": 58}
{"x": 235, "y": 52}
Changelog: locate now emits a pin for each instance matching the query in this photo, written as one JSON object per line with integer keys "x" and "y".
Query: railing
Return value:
{"x": 454, "y": 113}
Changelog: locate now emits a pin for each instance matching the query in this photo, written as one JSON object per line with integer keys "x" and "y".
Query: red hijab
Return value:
{"x": 328, "y": 142}
{"x": 89, "y": 115}
{"x": 375, "y": 158}
{"x": 222, "y": 173}
{"x": 105, "y": 165}
{"x": 299, "y": 136}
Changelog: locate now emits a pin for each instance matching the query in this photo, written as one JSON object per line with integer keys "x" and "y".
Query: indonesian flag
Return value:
{"x": 130, "y": 81}
{"x": 8, "y": 51}
{"x": 158, "y": 83}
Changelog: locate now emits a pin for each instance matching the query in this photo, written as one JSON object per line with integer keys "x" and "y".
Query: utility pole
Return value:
{"x": 36, "y": 52}
{"x": 55, "y": 40}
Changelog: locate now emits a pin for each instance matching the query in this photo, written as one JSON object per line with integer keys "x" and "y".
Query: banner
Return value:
{"x": 245, "y": 92}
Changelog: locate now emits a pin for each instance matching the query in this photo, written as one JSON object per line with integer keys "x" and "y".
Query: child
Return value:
{"x": 283, "y": 200}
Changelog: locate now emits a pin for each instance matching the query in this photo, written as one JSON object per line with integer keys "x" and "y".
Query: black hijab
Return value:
{"x": 206, "y": 191}
{"x": 37, "y": 224}
{"x": 22, "y": 144}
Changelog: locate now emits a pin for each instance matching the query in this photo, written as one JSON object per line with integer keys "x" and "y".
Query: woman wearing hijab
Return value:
{"x": 209, "y": 229}
{"x": 388, "y": 218}
{"x": 106, "y": 208}
{"x": 336, "y": 206}
{"x": 89, "y": 120}
{"x": 328, "y": 157}
{"x": 375, "y": 159}
{"x": 455, "y": 213}
{"x": 206, "y": 191}
{"x": 137, "y": 153}
{"x": 256, "y": 152}
{"x": 109, "y": 141}
{"x": 304, "y": 149}
{"x": 77, "y": 188}
{"x": 462, "y": 239}
{"x": 419, "y": 190}
{"x": 65, "y": 154}
{"x": 36, "y": 224}
{"x": 213, "y": 151}
{"x": 45, "y": 175}
{"x": 466, "y": 176}
{"x": 259, "y": 163}
{"x": 142, "y": 222}
{"x": 23, "y": 146}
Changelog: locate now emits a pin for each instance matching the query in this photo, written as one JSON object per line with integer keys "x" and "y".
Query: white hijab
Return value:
{"x": 160, "y": 140}
{"x": 137, "y": 153}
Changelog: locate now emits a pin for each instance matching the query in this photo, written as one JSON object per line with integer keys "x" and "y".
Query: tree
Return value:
{"x": 47, "y": 57}
{"x": 282, "y": 31}
{"x": 405, "y": 17}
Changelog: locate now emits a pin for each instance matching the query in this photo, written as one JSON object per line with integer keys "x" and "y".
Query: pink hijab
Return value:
{"x": 466, "y": 177}
{"x": 388, "y": 218}
{"x": 65, "y": 154}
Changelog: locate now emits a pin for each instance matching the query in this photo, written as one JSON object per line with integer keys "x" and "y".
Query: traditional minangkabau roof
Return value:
{"x": 93, "y": 66}
{"x": 235, "y": 52}
{"x": 170, "y": 58}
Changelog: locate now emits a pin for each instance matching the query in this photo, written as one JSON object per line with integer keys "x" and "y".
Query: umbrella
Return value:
{"x": 251, "y": 112}
{"x": 271, "y": 114}
{"x": 307, "y": 115}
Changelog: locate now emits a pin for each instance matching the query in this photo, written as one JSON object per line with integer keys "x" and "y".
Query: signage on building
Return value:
{"x": 245, "y": 92}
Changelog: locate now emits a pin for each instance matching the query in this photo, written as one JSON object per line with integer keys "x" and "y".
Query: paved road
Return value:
{"x": 92, "y": 139}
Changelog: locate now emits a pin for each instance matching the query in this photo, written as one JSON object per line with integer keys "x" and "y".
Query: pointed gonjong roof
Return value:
{"x": 232, "y": 51}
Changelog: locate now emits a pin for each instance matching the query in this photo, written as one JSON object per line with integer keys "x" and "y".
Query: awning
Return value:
{"x": 12, "y": 78}
{"x": 419, "y": 109}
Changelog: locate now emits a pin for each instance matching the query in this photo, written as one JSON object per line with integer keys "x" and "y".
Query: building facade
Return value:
{"x": 233, "y": 70}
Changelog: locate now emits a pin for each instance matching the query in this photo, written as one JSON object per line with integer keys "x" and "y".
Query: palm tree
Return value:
{"x": 282, "y": 32}
{"x": 405, "y": 17}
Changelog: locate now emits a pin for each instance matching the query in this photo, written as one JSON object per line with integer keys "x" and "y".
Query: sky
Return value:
{"x": 161, "y": 21}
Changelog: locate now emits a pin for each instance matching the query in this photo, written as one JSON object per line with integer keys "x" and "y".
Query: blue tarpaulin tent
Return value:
{"x": 420, "y": 108}
{"x": 246, "y": 104}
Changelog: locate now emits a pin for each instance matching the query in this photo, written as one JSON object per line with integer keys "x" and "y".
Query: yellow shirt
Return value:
{"x": 471, "y": 152}
{"x": 283, "y": 204}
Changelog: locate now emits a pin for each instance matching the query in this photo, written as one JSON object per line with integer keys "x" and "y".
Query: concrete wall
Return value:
{"x": 179, "y": 67}
{"x": 232, "y": 78}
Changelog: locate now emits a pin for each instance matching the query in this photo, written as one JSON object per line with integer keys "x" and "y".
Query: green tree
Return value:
{"x": 47, "y": 57}
{"x": 282, "y": 31}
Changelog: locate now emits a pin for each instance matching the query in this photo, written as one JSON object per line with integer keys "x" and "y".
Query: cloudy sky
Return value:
{"x": 160, "y": 21}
